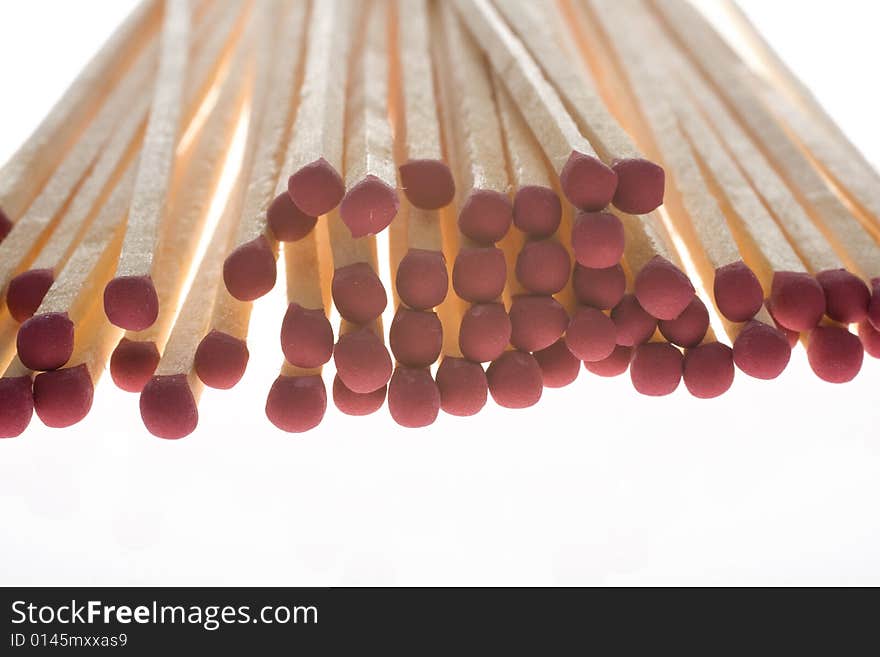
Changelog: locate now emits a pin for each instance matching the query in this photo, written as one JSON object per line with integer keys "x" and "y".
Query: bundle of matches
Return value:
{"x": 513, "y": 183}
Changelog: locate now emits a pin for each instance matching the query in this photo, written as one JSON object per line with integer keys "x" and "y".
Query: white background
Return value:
{"x": 775, "y": 483}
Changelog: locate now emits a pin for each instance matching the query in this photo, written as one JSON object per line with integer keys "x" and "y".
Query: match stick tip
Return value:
{"x": 615, "y": 365}
{"x": 587, "y": 182}
{"x": 296, "y": 404}
{"x": 536, "y": 321}
{"x": 413, "y": 397}
{"x": 479, "y": 273}
{"x": 599, "y": 288}
{"x": 369, "y": 207}
{"x": 428, "y": 184}
{"x": 16, "y": 405}
{"x": 591, "y": 335}
{"x": 797, "y": 300}
{"x": 761, "y": 351}
{"x": 663, "y": 289}
{"x": 358, "y": 293}
{"x": 559, "y": 367}
{"x": 221, "y": 360}
{"x": 416, "y": 337}
{"x": 463, "y": 386}
{"x": 133, "y": 363}
{"x": 26, "y": 291}
{"x": 537, "y": 210}
{"x": 737, "y": 291}
{"x": 45, "y": 341}
{"x": 306, "y": 336}
{"x": 689, "y": 328}
{"x": 249, "y": 271}
{"x": 355, "y": 403}
{"x": 640, "y": 185}
{"x": 708, "y": 370}
{"x": 485, "y": 216}
{"x": 834, "y": 354}
{"x": 655, "y": 369}
{"x": 484, "y": 332}
{"x": 422, "y": 279}
{"x": 846, "y": 295}
{"x": 597, "y": 239}
{"x": 131, "y": 302}
{"x": 543, "y": 266}
{"x": 286, "y": 221}
{"x": 515, "y": 380}
{"x": 316, "y": 188}
{"x": 168, "y": 407}
{"x": 63, "y": 397}
{"x": 634, "y": 324}
{"x": 362, "y": 361}
{"x": 870, "y": 338}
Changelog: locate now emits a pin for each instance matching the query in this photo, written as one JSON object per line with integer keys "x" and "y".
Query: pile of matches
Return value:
{"x": 521, "y": 149}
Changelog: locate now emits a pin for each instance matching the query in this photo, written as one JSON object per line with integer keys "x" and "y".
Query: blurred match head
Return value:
{"x": 484, "y": 332}
{"x": 358, "y": 293}
{"x": 655, "y": 369}
{"x": 834, "y": 354}
{"x": 559, "y": 367}
{"x": 168, "y": 407}
{"x": 422, "y": 279}
{"x": 543, "y": 266}
{"x": 615, "y": 365}
{"x": 16, "y": 405}
{"x": 846, "y": 295}
{"x": 485, "y": 216}
{"x": 356, "y": 403}
{"x": 286, "y": 221}
{"x": 797, "y": 300}
{"x": 870, "y": 338}
{"x": 306, "y": 336}
{"x": 640, "y": 185}
{"x": 131, "y": 302}
{"x": 362, "y": 361}
{"x": 688, "y": 329}
{"x": 369, "y": 207}
{"x": 761, "y": 351}
{"x": 221, "y": 360}
{"x": 463, "y": 386}
{"x": 26, "y": 291}
{"x": 515, "y": 380}
{"x": 874, "y": 305}
{"x": 479, "y": 273}
{"x": 5, "y": 225}
{"x": 599, "y": 288}
{"x": 416, "y": 337}
{"x": 536, "y": 321}
{"x": 296, "y": 404}
{"x": 428, "y": 184}
{"x": 737, "y": 292}
{"x": 591, "y": 335}
{"x": 45, "y": 341}
{"x": 663, "y": 289}
{"x": 250, "y": 270}
{"x": 133, "y": 363}
{"x": 708, "y": 370}
{"x": 634, "y": 325}
{"x": 587, "y": 182}
{"x": 537, "y": 211}
{"x": 316, "y": 188}
{"x": 63, "y": 397}
{"x": 413, "y": 397}
{"x": 597, "y": 239}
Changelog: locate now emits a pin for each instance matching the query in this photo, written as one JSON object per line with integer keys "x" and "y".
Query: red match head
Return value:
{"x": 296, "y": 404}
{"x": 306, "y": 336}
{"x": 640, "y": 185}
{"x": 416, "y": 337}
{"x": 463, "y": 386}
{"x": 286, "y": 221}
{"x": 761, "y": 351}
{"x": 537, "y": 211}
{"x": 515, "y": 380}
{"x": 131, "y": 302}
{"x": 221, "y": 360}
{"x": 168, "y": 407}
{"x": 422, "y": 280}
{"x": 834, "y": 354}
{"x": 133, "y": 363}
{"x": 413, "y": 397}
{"x": 45, "y": 341}
{"x": 597, "y": 239}
{"x": 688, "y": 329}
{"x": 26, "y": 291}
{"x": 316, "y": 188}
{"x": 63, "y": 397}
{"x": 369, "y": 207}
{"x": 362, "y": 361}
{"x": 428, "y": 184}
{"x": 485, "y": 216}
{"x": 634, "y": 325}
{"x": 591, "y": 335}
{"x": 737, "y": 292}
{"x": 662, "y": 289}
{"x": 536, "y": 321}
{"x": 708, "y": 370}
{"x": 615, "y": 365}
{"x": 356, "y": 403}
{"x": 479, "y": 274}
{"x": 249, "y": 271}
{"x": 559, "y": 367}
{"x": 543, "y": 266}
{"x": 797, "y": 300}
{"x": 484, "y": 332}
{"x": 358, "y": 293}
{"x": 599, "y": 288}
{"x": 655, "y": 368}
{"x": 587, "y": 182}
{"x": 846, "y": 295}
{"x": 16, "y": 405}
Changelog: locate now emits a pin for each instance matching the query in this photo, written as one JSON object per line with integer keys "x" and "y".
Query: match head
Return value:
{"x": 559, "y": 367}
{"x": 834, "y": 354}
{"x": 543, "y": 266}
{"x": 133, "y": 363}
{"x": 369, "y": 207}
{"x": 663, "y": 289}
{"x": 846, "y": 295}
{"x": 428, "y": 184}
{"x": 45, "y": 341}
{"x": 296, "y": 404}
{"x": 797, "y": 300}
{"x": 688, "y": 329}
{"x": 634, "y": 324}
{"x": 463, "y": 386}
{"x": 485, "y": 216}
{"x": 306, "y": 336}
{"x": 537, "y": 211}
{"x": 5, "y": 225}
{"x": 591, "y": 335}
{"x": 599, "y": 288}
{"x": 655, "y": 369}
{"x": 870, "y": 338}
{"x": 761, "y": 351}
{"x": 597, "y": 239}
{"x": 479, "y": 274}
{"x": 358, "y": 293}
{"x": 413, "y": 397}
{"x": 250, "y": 270}
{"x": 422, "y": 280}
{"x": 356, "y": 403}
{"x": 316, "y": 188}
{"x": 737, "y": 292}
{"x": 16, "y": 405}
{"x": 874, "y": 306}
{"x": 416, "y": 337}
{"x": 221, "y": 360}
{"x": 640, "y": 185}
{"x": 484, "y": 332}
{"x": 168, "y": 407}
{"x": 286, "y": 221}
{"x": 362, "y": 361}
{"x": 615, "y": 365}
{"x": 536, "y": 322}
{"x": 63, "y": 397}
{"x": 131, "y": 302}
{"x": 587, "y": 183}
{"x": 26, "y": 291}
{"x": 515, "y": 380}
{"x": 708, "y": 370}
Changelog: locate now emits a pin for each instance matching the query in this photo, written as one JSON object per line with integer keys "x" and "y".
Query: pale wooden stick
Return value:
{"x": 8, "y": 329}
{"x": 28, "y": 169}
